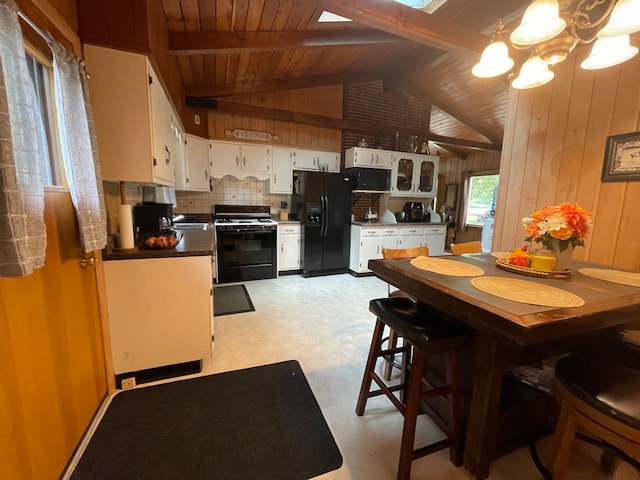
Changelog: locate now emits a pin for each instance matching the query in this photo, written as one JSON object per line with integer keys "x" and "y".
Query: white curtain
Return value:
{"x": 22, "y": 228}
{"x": 79, "y": 148}
{"x": 464, "y": 198}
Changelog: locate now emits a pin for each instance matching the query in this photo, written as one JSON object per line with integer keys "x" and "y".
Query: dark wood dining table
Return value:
{"x": 508, "y": 333}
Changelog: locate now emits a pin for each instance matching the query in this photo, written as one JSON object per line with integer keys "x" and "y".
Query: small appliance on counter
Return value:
{"x": 151, "y": 217}
{"x": 414, "y": 211}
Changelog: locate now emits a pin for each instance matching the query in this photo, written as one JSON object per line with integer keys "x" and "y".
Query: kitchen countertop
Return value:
{"x": 194, "y": 243}
{"x": 398, "y": 224}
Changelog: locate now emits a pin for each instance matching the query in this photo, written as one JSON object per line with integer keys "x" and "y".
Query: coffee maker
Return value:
{"x": 152, "y": 217}
{"x": 414, "y": 211}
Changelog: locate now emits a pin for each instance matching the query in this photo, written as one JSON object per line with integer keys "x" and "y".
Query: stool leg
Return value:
{"x": 374, "y": 351}
{"x": 453, "y": 406}
{"x": 562, "y": 441}
{"x": 412, "y": 405}
{"x": 388, "y": 366}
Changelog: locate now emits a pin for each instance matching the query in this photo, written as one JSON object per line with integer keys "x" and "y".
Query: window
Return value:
{"x": 481, "y": 201}
{"x": 41, "y": 71}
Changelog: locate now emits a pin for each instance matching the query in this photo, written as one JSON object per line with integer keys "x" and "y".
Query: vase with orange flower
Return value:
{"x": 559, "y": 228}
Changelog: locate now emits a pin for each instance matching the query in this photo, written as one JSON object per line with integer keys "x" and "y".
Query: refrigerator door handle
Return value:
{"x": 323, "y": 216}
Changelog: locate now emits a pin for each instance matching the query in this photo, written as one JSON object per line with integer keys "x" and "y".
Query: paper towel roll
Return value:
{"x": 125, "y": 221}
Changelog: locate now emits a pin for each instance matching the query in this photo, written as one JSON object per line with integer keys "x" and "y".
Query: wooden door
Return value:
{"x": 51, "y": 351}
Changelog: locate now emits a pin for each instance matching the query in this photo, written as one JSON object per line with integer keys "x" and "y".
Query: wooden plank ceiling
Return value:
{"x": 231, "y": 47}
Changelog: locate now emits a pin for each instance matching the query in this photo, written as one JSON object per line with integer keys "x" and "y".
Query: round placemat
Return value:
{"x": 446, "y": 267}
{"x": 613, "y": 276}
{"x": 524, "y": 291}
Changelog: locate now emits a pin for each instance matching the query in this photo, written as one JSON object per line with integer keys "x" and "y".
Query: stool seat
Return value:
{"x": 610, "y": 388}
{"x": 601, "y": 397}
{"x": 425, "y": 331}
{"x": 418, "y": 323}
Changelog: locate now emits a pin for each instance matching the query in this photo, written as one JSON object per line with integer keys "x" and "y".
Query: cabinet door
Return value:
{"x": 161, "y": 113}
{"x": 402, "y": 175}
{"x": 426, "y": 176}
{"x": 329, "y": 159}
{"x": 255, "y": 158}
{"x": 411, "y": 237}
{"x": 224, "y": 157}
{"x": 281, "y": 171}
{"x": 289, "y": 254}
{"x": 304, "y": 160}
{"x": 370, "y": 248}
{"x": 197, "y": 163}
{"x": 434, "y": 238}
{"x": 180, "y": 159}
{"x": 383, "y": 159}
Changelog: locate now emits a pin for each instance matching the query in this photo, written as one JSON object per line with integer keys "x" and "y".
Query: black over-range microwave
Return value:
{"x": 372, "y": 179}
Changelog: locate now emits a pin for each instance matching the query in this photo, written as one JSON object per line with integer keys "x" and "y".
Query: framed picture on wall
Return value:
{"x": 622, "y": 158}
{"x": 451, "y": 195}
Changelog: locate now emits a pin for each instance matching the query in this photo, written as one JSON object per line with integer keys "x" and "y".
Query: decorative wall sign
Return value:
{"x": 251, "y": 135}
{"x": 622, "y": 158}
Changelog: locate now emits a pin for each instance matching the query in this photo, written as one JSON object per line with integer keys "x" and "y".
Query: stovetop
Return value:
{"x": 243, "y": 215}
{"x": 245, "y": 221}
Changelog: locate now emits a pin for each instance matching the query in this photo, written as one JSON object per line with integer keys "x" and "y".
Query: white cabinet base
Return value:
{"x": 160, "y": 311}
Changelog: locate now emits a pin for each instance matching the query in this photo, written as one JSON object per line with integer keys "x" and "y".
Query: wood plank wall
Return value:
{"x": 452, "y": 170}
{"x": 553, "y": 152}
{"x": 325, "y": 101}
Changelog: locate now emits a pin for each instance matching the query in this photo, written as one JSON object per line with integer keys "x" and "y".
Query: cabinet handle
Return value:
{"x": 237, "y": 162}
{"x": 275, "y": 178}
{"x": 244, "y": 161}
{"x": 168, "y": 159}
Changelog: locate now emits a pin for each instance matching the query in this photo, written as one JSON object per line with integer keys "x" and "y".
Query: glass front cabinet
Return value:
{"x": 413, "y": 174}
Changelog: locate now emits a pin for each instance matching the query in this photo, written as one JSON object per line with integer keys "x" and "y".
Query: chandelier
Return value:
{"x": 552, "y": 35}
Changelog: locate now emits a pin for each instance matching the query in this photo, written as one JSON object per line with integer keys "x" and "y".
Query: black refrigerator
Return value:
{"x": 322, "y": 202}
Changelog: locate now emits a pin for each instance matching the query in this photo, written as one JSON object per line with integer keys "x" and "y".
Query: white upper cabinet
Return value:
{"x": 133, "y": 117}
{"x": 368, "y": 158}
{"x": 239, "y": 160}
{"x": 197, "y": 164}
{"x": 414, "y": 175}
{"x": 281, "y": 171}
{"x": 315, "y": 160}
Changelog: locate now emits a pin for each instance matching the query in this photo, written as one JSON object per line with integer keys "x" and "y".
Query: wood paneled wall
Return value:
{"x": 325, "y": 101}
{"x": 553, "y": 152}
{"x": 452, "y": 170}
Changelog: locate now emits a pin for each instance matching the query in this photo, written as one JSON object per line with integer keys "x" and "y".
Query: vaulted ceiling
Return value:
{"x": 230, "y": 47}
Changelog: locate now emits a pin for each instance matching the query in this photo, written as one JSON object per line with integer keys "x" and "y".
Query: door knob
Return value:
{"x": 85, "y": 262}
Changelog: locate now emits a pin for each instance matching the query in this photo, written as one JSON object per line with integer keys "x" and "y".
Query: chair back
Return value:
{"x": 466, "y": 247}
{"x": 405, "y": 252}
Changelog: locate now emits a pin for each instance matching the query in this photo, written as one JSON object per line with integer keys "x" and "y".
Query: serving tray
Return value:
{"x": 532, "y": 272}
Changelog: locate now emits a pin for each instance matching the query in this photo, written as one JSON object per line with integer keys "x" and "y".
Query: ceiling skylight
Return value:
{"x": 428, "y": 6}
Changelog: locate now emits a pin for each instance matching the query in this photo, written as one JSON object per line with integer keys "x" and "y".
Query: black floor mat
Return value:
{"x": 259, "y": 423}
{"x": 231, "y": 299}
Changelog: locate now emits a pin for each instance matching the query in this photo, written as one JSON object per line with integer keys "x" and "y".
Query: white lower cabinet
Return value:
{"x": 288, "y": 247}
{"x": 148, "y": 327}
{"x": 367, "y": 242}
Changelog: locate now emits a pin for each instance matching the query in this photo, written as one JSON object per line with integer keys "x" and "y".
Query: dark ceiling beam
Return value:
{"x": 208, "y": 43}
{"x": 428, "y": 96}
{"x": 289, "y": 83}
{"x": 407, "y": 22}
{"x": 325, "y": 122}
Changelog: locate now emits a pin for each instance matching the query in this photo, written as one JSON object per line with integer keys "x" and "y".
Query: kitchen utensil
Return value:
{"x": 400, "y": 216}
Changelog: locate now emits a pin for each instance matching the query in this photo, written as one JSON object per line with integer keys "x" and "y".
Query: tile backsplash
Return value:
{"x": 231, "y": 191}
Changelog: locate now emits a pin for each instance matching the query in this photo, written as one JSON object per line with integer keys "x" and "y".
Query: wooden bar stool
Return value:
{"x": 601, "y": 398}
{"x": 466, "y": 247}
{"x": 424, "y": 332}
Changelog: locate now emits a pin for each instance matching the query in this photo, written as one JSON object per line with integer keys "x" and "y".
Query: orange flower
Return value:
{"x": 562, "y": 233}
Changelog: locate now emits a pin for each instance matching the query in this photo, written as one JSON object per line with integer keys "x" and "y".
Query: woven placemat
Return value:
{"x": 613, "y": 276}
{"x": 500, "y": 254}
{"x": 524, "y": 291}
{"x": 446, "y": 267}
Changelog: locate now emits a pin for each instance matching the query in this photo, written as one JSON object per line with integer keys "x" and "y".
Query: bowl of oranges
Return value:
{"x": 160, "y": 241}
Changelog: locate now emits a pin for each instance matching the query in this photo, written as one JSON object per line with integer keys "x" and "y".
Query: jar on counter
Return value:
{"x": 543, "y": 259}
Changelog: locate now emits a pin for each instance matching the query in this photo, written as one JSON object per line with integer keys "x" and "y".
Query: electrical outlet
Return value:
{"x": 196, "y": 119}
{"x": 128, "y": 383}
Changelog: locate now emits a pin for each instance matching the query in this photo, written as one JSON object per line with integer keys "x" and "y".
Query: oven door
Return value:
{"x": 246, "y": 254}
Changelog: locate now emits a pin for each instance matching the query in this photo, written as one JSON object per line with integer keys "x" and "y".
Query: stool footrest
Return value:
{"x": 434, "y": 447}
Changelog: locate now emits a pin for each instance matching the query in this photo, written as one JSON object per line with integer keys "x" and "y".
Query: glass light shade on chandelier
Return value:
{"x": 494, "y": 61}
{"x": 541, "y": 21}
{"x": 624, "y": 19}
{"x": 609, "y": 51}
{"x": 534, "y": 72}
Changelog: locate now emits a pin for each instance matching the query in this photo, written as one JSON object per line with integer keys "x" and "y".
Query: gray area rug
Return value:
{"x": 231, "y": 299}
